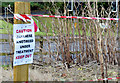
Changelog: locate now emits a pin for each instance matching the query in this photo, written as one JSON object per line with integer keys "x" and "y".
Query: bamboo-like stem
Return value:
{"x": 80, "y": 44}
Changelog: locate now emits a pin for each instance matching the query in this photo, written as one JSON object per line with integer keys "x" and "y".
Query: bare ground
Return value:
{"x": 87, "y": 72}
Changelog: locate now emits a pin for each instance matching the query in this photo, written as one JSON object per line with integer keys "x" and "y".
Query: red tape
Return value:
{"x": 76, "y": 17}
{"x": 105, "y": 79}
{"x": 25, "y": 16}
{"x": 117, "y": 77}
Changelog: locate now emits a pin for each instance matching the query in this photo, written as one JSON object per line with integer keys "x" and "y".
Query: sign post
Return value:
{"x": 20, "y": 72}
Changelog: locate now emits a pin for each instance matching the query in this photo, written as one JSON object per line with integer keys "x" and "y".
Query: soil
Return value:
{"x": 57, "y": 72}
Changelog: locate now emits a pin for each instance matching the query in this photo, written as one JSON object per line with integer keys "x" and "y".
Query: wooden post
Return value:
{"x": 21, "y": 72}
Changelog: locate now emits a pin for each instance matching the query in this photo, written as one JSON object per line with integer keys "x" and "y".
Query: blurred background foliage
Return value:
{"x": 49, "y": 6}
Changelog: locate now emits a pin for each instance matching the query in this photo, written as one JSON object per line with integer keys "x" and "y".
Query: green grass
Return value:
{"x": 6, "y": 26}
{"x": 45, "y": 27}
{"x": 48, "y": 23}
{"x": 43, "y": 30}
{"x": 6, "y": 67}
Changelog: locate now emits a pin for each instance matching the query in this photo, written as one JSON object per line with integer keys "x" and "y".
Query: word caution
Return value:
{"x": 24, "y": 40}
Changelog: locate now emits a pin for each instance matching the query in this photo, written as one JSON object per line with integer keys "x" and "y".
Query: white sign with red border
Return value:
{"x": 24, "y": 40}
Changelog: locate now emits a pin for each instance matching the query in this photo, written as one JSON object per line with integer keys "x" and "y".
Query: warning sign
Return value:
{"x": 24, "y": 40}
